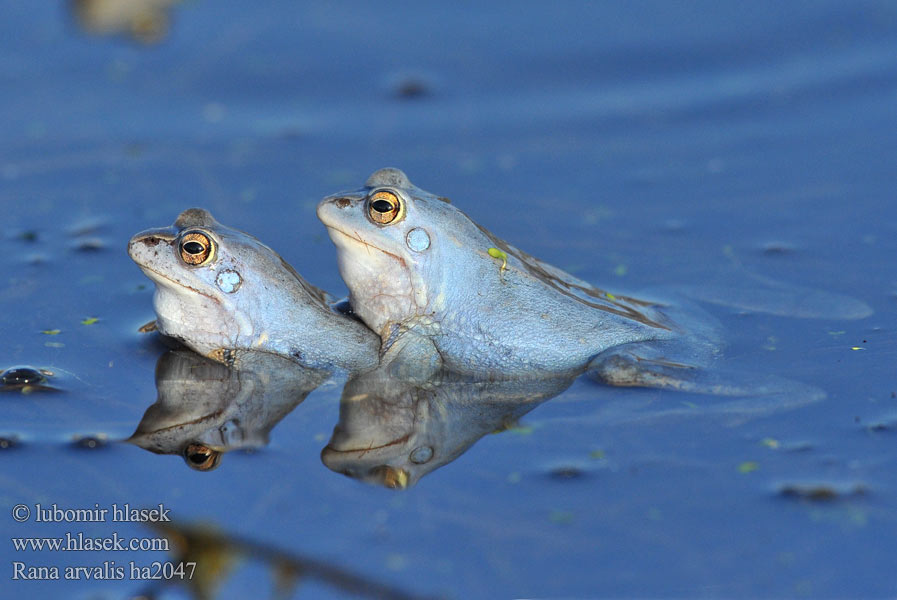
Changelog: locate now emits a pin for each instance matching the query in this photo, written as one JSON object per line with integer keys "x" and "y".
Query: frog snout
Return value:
{"x": 141, "y": 242}
{"x": 146, "y": 241}
{"x": 133, "y": 247}
{"x": 330, "y": 206}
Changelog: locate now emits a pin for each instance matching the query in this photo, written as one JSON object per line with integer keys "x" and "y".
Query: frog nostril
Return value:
{"x": 342, "y": 202}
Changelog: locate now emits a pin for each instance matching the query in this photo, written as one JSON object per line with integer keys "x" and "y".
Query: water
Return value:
{"x": 636, "y": 146}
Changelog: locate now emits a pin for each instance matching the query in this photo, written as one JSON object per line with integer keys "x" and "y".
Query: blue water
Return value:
{"x": 635, "y": 144}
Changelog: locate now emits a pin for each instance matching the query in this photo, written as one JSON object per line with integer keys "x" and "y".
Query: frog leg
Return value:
{"x": 630, "y": 369}
{"x": 645, "y": 365}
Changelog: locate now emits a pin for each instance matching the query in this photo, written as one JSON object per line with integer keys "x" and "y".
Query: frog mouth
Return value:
{"x": 358, "y": 240}
{"x": 156, "y": 276}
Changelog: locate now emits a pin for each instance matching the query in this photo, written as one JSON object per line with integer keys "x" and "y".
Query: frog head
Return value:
{"x": 401, "y": 249}
{"x": 217, "y": 287}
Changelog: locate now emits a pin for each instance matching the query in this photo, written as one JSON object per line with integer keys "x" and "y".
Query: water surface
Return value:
{"x": 636, "y": 146}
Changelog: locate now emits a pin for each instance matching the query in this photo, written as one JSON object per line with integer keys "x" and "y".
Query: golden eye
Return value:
{"x": 384, "y": 207}
{"x": 200, "y": 457}
{"x": 195, "y": 248}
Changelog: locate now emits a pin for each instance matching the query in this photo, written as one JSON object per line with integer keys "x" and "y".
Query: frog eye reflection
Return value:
{"x": 384, "y": 207}
{"x": 200, "y": 457}
{"x": 195, "y": 248}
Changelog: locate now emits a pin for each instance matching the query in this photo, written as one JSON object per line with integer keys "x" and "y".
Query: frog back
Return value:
{"x": 507, "y": 311}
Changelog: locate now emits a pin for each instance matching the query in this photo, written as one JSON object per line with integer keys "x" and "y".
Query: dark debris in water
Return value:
{"x": 566, "y": 472}
{"x": 20, "y": 376}
{"x": 89, "y": 244}
{"x": 9, "y": 442}
{"x": 411, "y": 86}
{"x": 90, "y": 442}
{"x": 888, "y": 425}
{"x": 821, "y": 492}
{"x": 778, "y": 249}
{"x": 26, "y": 380}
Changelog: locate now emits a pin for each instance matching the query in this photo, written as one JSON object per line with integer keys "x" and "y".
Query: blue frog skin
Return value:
{"x": 220, "y": 291}
{"x": 438, "y": 287}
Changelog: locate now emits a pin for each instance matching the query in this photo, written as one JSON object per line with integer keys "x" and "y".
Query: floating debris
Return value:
{"x": 821, "y": 492}
{"x": 885, "y": 425}
{"x": 89, "y": 321}
{"x": 9, "y": 442}
{"x": 21, "y": 376}
{"x": 778, "y": 248}
{"x": 26, "y": 380}
{"x": 89, "y": 244}
{"x": 561, "y": 517}
{"x": 748, "y": 466}
{"x": 51, "y": 331}
{"x": 90, "y": 442}
{"x": 496, "y": 253}
{"x": 566, "y": 473}
{"x": 411, "y": 86}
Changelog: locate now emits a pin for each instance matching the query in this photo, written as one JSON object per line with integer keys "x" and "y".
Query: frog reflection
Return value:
{"x": 393, "y": 431}
{"x": 205, "y": 408}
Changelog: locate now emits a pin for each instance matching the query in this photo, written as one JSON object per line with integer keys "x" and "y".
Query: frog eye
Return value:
{"x": 200, "y": 457}
{"x": 384, "y": 207}
{"x": 195, "y": 248}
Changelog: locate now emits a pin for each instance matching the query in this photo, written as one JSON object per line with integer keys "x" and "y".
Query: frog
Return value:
{"x": 440, "y": 289}
{"x": 220, "y": 291}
